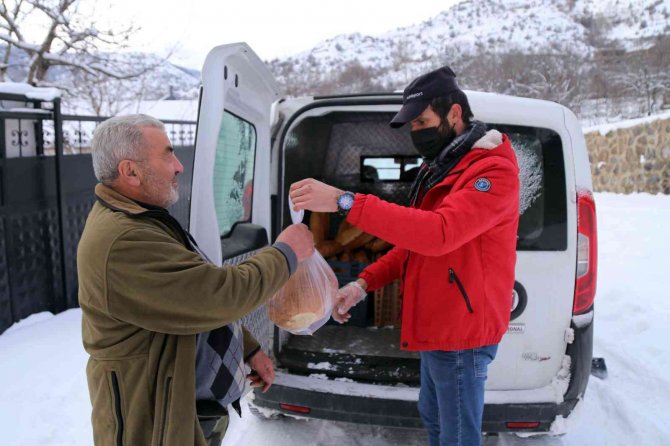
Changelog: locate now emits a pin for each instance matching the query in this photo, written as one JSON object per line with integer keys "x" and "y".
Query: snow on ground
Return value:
{"x": 604, "y": 129}
{"x": 44, "y": 398}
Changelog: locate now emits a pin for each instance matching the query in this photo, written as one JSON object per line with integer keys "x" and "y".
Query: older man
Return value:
{"x": 455, "y": 251}
{"x": 146, "y": 293}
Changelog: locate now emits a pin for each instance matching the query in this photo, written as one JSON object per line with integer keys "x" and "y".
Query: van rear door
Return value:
{"x": 532, "y": 355}
{"x": 230, "y": 202}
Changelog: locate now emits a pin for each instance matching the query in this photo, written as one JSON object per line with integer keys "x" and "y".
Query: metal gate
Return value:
{"x": 46, "y": 192}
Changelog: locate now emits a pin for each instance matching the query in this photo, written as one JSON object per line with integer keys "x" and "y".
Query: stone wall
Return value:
{"x": 634, "y": 159}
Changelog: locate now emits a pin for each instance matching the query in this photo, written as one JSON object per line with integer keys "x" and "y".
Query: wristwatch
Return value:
{"x": 345, "y": 202}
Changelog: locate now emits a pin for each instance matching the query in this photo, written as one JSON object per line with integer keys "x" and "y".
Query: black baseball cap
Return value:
{"x": 420, "y": 93}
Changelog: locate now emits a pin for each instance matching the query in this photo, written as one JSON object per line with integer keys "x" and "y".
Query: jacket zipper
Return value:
{"x": 166, "y": 404}
{"x": 117, "y": 409}
{"x": 453, "y": 277}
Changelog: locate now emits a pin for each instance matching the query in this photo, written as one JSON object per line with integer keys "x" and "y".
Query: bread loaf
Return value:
{"x": 360, "y": 256}
{"x": 319, "y": 224}
{"x": 303, "y": 299}
{"x": 329, "y": 248}
{"x": 359, "y": 241}
{"x": 379, "y": 245}
{"x": 346, "y": 233}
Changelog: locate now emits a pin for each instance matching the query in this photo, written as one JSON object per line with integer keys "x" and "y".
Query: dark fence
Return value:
{"x": 46, "y": 192}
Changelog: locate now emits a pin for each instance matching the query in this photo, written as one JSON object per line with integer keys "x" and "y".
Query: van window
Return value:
{"x": 385, "y": 168}
{"x": 234, "y": 171}
{"x": 543, "y": 207}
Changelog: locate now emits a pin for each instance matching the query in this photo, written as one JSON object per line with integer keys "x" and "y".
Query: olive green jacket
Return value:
{"x": 145, "y": 296}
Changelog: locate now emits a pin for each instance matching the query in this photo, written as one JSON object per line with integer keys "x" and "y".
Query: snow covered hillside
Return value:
{"x": 44, "y": 398}
{"x": 492, "y": 26}
{"x": 580, "y": 53}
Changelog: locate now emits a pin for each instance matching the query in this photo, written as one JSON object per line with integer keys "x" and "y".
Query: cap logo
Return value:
{"x": 414, "y": 95}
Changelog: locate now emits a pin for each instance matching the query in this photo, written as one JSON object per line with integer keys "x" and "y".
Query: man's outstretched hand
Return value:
{"x": 314, "y": 196}
{"x": 348, "y": 296}
{"x": 300, "y": 239}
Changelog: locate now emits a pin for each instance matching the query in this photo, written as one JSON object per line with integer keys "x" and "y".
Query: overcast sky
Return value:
{"x": 271, "y": 28}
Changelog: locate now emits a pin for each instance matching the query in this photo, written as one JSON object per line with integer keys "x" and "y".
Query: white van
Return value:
{"x": 252, "y": 144}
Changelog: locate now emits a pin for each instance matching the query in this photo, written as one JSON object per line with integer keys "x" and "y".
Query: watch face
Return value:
{"x": 346, "y": 201}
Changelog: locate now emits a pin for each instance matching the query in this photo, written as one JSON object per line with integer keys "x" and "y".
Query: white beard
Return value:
{"x": 160, "y": 192}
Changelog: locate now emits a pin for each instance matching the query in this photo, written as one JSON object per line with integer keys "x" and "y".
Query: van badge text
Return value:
{"x": 532, "y": 356}
{"x": 516, "y": 328}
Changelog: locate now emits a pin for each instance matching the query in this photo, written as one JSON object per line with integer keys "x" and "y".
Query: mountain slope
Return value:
{"x": 473, "y": 27}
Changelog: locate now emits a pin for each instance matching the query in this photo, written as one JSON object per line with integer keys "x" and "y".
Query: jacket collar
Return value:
{"x": 493, "y": 143}
{"x": 118, "y": 202}
{"x": 490, "y": 140}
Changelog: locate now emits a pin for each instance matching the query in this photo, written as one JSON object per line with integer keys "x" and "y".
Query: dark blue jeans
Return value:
{"x": 451, "y": 400}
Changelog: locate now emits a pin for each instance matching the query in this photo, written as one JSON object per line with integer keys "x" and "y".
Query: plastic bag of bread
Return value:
{"x": 304, "y": 304}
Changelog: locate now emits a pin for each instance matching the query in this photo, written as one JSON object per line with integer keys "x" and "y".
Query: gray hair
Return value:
{"x": 117, "y": 139}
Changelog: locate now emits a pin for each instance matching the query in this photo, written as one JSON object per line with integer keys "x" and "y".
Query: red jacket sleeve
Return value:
{"x": 386, "y": 269}
{"x": 462, "y": 215}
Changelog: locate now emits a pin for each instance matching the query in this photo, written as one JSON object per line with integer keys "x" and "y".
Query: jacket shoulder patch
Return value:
{"x": 483, "y": 184}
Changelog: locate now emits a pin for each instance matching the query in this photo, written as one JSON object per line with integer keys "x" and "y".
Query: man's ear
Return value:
{"x": 455, "y": 113}
{"x": 129, "y": 173}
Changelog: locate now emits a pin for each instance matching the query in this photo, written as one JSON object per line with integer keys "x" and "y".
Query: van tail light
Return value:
{"x": 522, "y": 424}
{"x": 294, "y": 408}
{"x": 587, "y": 253}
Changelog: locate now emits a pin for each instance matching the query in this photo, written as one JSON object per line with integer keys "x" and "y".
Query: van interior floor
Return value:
{"x": 358, "y": 353}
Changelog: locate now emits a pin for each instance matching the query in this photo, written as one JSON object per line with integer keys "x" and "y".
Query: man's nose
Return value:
{"x": 179, "y": 167}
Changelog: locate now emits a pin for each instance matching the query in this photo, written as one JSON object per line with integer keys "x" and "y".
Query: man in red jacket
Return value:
{"x": 454, "y": 250}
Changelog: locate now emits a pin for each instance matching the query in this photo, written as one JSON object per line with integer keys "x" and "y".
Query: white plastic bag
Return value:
{"x": 304, "y": 304}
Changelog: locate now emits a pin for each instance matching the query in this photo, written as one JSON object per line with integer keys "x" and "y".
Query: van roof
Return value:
{"x": 358, "y": 95}
{"x": 499, "y": 98}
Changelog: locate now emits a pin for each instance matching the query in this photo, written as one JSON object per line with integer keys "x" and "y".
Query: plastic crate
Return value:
{"x": 346, "y": 271}
{"x": 387, "y": 305}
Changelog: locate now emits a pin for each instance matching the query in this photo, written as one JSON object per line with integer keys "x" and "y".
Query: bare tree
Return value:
{"x": 481, "y": 71}
{"x": 644, "y": 84}
{"x": 10, "y": 17}
{"x": 105, "y": 96}
{"x": 554, "y": 77}
{"x": 70, "y": 39}
{"x": 644, "y": 75}
{"x": 403, "y": 58}
{"x": 660, "y": 57}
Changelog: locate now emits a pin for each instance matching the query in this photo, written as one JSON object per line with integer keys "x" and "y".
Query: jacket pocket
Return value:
{"x": 454, "y": 278}
{"x": 118, "y": 412}
{"x": 167, "y": 396}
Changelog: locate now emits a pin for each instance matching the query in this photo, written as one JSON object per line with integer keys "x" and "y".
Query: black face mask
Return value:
{"x": 430, "y": 142}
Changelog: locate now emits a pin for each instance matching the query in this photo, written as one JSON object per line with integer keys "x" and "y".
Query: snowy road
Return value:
{"x": 44, "y": 400}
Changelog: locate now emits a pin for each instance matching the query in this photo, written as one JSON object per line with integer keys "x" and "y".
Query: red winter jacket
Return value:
{"x": 455, "y": 253}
